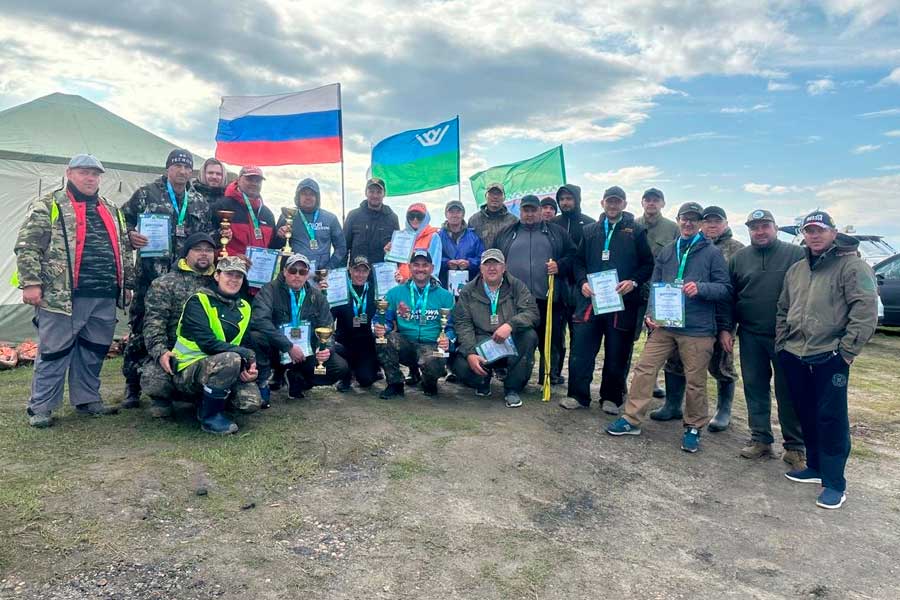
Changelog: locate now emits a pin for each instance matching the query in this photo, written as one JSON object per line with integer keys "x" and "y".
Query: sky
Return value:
{"x": 785, "y": 105}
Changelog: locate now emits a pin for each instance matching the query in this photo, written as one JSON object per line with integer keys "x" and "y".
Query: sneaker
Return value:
{"x": 512, "y": 400}
{"x": 621, "y": 426}
{"x": 831, "y": 499}
{"x": 755, "y": 450}
{"x": 610, "y": 407}
{"x": 806, "y": 475}
{"x": 160, "y": 409}
{"x": 484, "y": 389}
{"x": 40, "y": 420}
{"x": 690, "y": 441}
{"x": 795, "y": 458}
{"x": 343, "y": 387}
{"x": 95, "y": 409}
{"x": 393, "y": 390}
{"x": 570, "y": 403}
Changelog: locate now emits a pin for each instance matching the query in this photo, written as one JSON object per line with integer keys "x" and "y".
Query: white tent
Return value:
{"x": 36, "y": 141}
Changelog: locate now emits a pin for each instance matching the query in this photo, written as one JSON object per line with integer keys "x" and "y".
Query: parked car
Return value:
{"x": 887, "y": 274}
{"x": 873, "y": 248}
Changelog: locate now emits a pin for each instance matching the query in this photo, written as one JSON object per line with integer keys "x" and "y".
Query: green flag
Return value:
{"x": 540, "y": 175}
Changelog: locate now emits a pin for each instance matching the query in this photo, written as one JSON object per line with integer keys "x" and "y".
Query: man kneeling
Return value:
{"x": 209, "y": 358}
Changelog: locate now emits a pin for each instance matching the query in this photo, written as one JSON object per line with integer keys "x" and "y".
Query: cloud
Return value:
{"x": 765, "y": 189}
{"x": 817, "y": 87}
{"x": 861, "y": 202}
{"x": 731, "y": 110}
{"x": 626, "y": 176}
{"x": 865, "y": 148}
{"x": 892, "y": 79}
{"x": 692, "y": 137}
{"x": 893, "y": 133}
{"x": 812, "y": 139}
{"x": 889, "y": 112}
{"x": 889, "y": 168}
{"x": 776, "y": 86}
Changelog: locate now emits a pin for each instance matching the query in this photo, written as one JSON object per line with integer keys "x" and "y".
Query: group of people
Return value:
{"x": 472, "y": 302}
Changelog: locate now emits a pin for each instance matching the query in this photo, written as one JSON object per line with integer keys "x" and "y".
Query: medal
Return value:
{"x": 257, "y": 233}
{"x": 605, "y": 255}
{"x": 179, "y": 231}
{"x": 679, "y": 281}
{"x": 313, "y": 245}
{"x": 295, "y": 332}
{"x": 495, "y": 320}
{"x": 356, "y": 321}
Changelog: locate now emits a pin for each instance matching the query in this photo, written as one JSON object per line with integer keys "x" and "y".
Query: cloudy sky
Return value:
{"x": 783, "y": 104}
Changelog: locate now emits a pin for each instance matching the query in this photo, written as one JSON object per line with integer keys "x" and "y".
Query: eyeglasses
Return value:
{"x": 298, "y": 271}
{"x": 687, "y": 219}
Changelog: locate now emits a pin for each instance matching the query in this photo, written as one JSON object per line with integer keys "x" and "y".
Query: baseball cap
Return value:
{"x": 232, "y": 263}
{"x": 530, "y": 200}
{"x": 494, "y": 185}
{"x": 614, "y": 192}
{"x": 295, "y": 258}
{"x": 180, "y": 156}
{"x": 690, "y": 207}
{"x": 759, "y": 215}
{"x": 818, "y": 218}
{"x": 376, "y": 181}
{"x": 194, "y": 239}
{"x": 714, "y": 211}
{"x": 548, "y": 201}
{"x": 420, "y": 253}
{"x": 455, "y": 204}
{"x": 251, "y": 170}
{"x": 360, "y": 260}
{"x": 493, "y": 254}
{"x": 86, "y": 161}
{"x": 654, "y": 192}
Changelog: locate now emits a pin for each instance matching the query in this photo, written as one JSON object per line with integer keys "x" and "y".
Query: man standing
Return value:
{"x": 694, "y": 270}
{"x": 164, "y": 304}
{"x": 252, "y": 224}
{"x": 616, "y": 242}
{"x": 493, "y": 217}
{"x": 548, "y": 209}
{"x": 368, "y": 228}
{"x": 74, "y": 264}
{"x": 534, "y": 250}
{"x": 187, "y": 213}
{"x": 413, "y": 326}
{"x": 827, "y": 311}
{"x": 757, "y": 276}
{"x": 316, "y": 233}
{"x": 211, "y": 184}
{"x": 461, "y": 247}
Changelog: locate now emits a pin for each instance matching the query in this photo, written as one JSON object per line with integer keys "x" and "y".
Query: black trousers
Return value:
{"x": 362, "y": 360}
{"x": 558, "y": 353}
{"x": 617, "y": 338}
{"x": 300, "y": 375}
{"x": 818, "y": 389}
{"x": 556, "y": 336}
{"x": 518, "y": 368}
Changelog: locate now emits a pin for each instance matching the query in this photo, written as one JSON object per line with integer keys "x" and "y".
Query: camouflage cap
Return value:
{"x": 232, "y": 263}
{"x": 493, "y": 254}
{"x": 495, "y": 185}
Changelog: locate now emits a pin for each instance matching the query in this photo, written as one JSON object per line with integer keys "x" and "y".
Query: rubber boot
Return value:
{"x": 671, "y": 410}
{"x": 722, "y": 419}
{"x": 210, "y": 412}
{"x": 265, "y": 395}
{"x": 132, "y": 395}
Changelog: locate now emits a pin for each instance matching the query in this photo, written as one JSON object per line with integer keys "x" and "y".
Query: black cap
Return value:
{"x": 714, "y": 211}
{"x": 358, "y": 260}
{"x": 421, "y": 254}
{"x": 654, "y": 192}
{"x": 690, "y": 207}
{"x": 455, "y": 204}
{"x": 614, "y": 192}
{"x": 818, "y": 218}
{"x": 194, "y": 239}
{"x": 530, "y": 200}
{"x": 179, "y": 156}
{"x": 548, "y": 201}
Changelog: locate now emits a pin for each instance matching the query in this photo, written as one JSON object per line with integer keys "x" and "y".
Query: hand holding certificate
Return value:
{"x": 456, "y": 279}
{"x": 491, "y": 351}
{"x": 156, "y": 229}
{"x": 401, "y": 246}
{"x": 338, "y": 293}
{"x": 299, "y": 336}
{"x": 384, "y": 278}
{"x": 668, "y": 304}
{"x": 604, "y": 297}
{"x": 264, "y": 263}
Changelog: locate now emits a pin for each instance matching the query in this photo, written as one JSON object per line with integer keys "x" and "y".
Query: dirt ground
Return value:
{"x": 349, "y": 496}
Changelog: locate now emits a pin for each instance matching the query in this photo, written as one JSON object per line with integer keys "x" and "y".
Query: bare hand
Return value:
{"x": 651, "y": 324}
{"x": 296, "y": 354}
{"x": 323, "y": 355}
{"x": 137, "y": 240}
{"x": 475, "y": 363}
{"x": 250, "y": 374}
{"x": 282, "y": 231}
{"x": 586, "y": 290}
{"x": 398, "y": 277}
{"x": 462, "y": 264}
{"x": 727, "y": 341}
{"x": 165, "y": 361}
{"x": 690, "y": 289}
{"x": 624, "y": 287}
{"x": 502, "y": 332}
{"x": 32, "y": 294}
{"x": 323, "y": 285}
{"x": 552, "y": 267}
{"x": 129, "y": 296}
{"x": 387, "y": 247}
{"x": 379, "y": 329}
{"x": 443, "y": 343}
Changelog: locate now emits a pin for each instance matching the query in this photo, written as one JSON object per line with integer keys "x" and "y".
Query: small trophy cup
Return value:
{"x": 381, "y": 305}
{"x": 224, "y": 225}
{"x": 288, "y": 213}
{"x": 445, "y": 316}
{"x": 322, "y": 275}
{"x": 324, "y": 334}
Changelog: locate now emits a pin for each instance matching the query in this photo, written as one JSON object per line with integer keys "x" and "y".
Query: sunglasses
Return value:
{"x": 414, "y": 216}
{"x": 298, "y": 271}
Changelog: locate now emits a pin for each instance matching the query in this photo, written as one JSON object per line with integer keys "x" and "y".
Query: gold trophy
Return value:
{"x": 321, "y": 275}
{"x": 382, "y": 311}
{"x": 225, "y": 224}
{"x": 445, "y": 316}
{"x": 324, "y": 334}
{"x": 288, "y": 213}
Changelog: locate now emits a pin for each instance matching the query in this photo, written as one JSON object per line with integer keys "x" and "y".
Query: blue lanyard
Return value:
{"x": 608, "y": 233}
{"x": 494, "y": 297}
{"x": 296, "y": 305}
{"x": 309, "y": 228}
{"x": 359, "y": 306}
{"x": 183, "y": 210}
{"x": 419, "y": 301}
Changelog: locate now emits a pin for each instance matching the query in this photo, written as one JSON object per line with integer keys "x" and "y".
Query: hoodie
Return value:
{"x": 331, "y": 245}
{"x": 488, "y": 224}
{"x": 573, "y": 221}
{"x": 427, "y": 238}
{"x": 368, "y": 231}
{"x": 242, "y": 231}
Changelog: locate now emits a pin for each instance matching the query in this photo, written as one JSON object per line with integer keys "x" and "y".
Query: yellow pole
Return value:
{"x": 548, "y": 332}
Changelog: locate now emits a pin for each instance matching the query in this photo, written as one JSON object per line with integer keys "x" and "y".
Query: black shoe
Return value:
{"x": 391, "y": 391}
{"x": 429, "y": 389}
{"x": 414, "y": 378}
{"x": 265, "y": 395}
{"x": 671, "y": 410}
{"x": 294, "y": 392}
{"x": 722, "y": 420}
{"x": 557, "y": 380}
{"x": 132, "y": 396}
{"x": 95, "y": 409}
{"x": 276, "y": 382}
{"x": 484, "y": 389}
{"x": 451, "y": 378}
{"x": 343, "y": 387}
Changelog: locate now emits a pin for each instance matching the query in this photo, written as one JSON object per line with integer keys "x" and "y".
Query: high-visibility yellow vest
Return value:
{"x": 187, "y": 352}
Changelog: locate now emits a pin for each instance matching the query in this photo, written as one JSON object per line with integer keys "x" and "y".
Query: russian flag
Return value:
{"x": 302, "y": 128}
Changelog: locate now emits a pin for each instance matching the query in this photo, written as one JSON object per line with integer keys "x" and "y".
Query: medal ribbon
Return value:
{"x": 359, "y": 304}
{"x": 494, "y": 297}
{"x": 253, "y": 215}
{"x": 182, "y": 212}
{"x": 309, "y": 228}
{"x": 422, "y": 301}
{"x": 297, "y": 299}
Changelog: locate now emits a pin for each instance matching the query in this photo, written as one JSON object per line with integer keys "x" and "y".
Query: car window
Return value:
{"x": 872, "y": 248}
{"x": 890, "y": 270}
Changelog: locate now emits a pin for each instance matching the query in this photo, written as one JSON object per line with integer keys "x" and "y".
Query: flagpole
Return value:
{"x": 341, "y": 133}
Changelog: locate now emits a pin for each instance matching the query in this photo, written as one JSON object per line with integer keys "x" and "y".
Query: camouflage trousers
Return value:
{"x": 721, "y": 365}
{"x": 219, "y": 372}
{"x": 401, "y": 351}
{"x": 135, "y": 352}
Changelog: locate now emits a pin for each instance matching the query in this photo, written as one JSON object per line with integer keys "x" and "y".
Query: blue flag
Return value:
{"x": 418, "y": 160}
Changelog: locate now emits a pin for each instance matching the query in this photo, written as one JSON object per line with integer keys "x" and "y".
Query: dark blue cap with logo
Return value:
{"x": 818, "y": 218}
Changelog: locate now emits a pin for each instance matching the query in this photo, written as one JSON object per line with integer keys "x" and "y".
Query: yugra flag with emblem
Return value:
{"x": 418, "y": 160}
{"x": 301, "y": 128}
{"x": 541, "y": 175}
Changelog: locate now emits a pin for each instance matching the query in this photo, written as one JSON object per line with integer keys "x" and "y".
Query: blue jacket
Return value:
{"x": 469, "y": 248}
{"x": 411, "y": 328}
{"x": 332, "y": 245}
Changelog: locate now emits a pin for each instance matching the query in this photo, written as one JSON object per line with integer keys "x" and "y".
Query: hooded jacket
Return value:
{"x": 243, "y": 235}
{"x": 468, "y": 246}
{"x": 574, "y": 221}
{"x": 427, "y": 238}
{"x": 212, "y": 195}
{"x": 488, "y": 224}
{"x": 331, "y": 252}
{"x": 368, "y": 231}
{"x": 530, "y": 268}
{"x": 829, "y": 303}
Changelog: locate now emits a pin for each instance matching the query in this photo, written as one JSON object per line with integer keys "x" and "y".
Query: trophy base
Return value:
{"x": 440, "y": 354}
{"x": 381, "y": 340}
{"x": 320, "y": 370}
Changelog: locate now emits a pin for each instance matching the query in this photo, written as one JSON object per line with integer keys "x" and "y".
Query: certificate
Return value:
{"x": 491, "y": 351}
{"x": 264, "y": 265}
{"x": 605, "y": 298}
{"x": 384, "y": 278}
{"x": 401, "y": 246}
{"x": 338, "y": 294}
{"x": 159, "y": 237}
{"x": 299, "y": 336}
{"x": 668, "y": 304}
{"x": 456, "y": 279}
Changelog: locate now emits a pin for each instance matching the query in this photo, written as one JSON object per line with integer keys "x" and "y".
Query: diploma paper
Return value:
{"x": 456, "y": 279}
{"x": 605, "y": 298}
{"x": 338, "y": 294}
{"x": 156, "y": 229}
{"x": 668, "y": 304}
{"x": 384, "y": 278}
{"x": 301, "y": 341}
{"x": 491, "y": 351}
{"x": 264, "y": 265}
{"x": 401, "y": 246}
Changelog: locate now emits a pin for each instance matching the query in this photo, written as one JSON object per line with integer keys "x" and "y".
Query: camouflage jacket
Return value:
{"x": 164, "y": 303}
{"x": 727, "y": 245}
{"x": 45, "y": 250}
{"x": 153, "y": 198}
